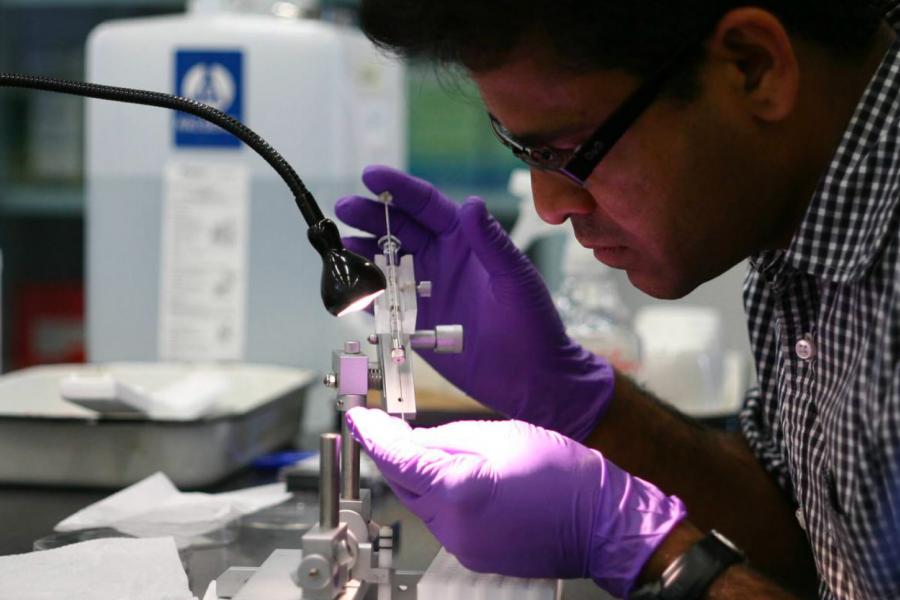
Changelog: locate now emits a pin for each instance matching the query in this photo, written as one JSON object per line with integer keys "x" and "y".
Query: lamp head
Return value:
{"x": 350, "y": 282}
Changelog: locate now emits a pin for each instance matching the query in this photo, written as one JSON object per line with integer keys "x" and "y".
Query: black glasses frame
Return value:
{"x": 578, "y": 164}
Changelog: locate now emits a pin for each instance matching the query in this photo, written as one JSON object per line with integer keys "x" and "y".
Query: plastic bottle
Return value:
{"x": 588, "y": 299}
{"x": 318, "y": 92}
{"x": 592, "y": 309}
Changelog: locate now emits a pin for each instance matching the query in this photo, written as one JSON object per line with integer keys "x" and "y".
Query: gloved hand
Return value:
{"x": 510, "y": 498}
{"x": 518, "y": 359}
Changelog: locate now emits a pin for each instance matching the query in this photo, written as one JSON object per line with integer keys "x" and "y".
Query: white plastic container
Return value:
{"x": 686, "y": 363}
{"x": 48, "y": 441}
{"x": 320, "y": 93}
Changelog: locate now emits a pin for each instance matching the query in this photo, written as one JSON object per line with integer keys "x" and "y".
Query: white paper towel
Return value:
{"x": 155, "y": 507}
{"x": 107, "y": 569}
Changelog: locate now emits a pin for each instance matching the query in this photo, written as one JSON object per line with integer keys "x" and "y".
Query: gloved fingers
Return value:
{"x": 368, "y": 215}
{"x": 465, "y": 437}
{"x": 389, "y": 442}
{"x": 416, "y": 197}
{"x": 364, "y": 246}
{"x": 493, "y": 443}
{"x": 490, "y": 243}
{"x": 514, "y": 280}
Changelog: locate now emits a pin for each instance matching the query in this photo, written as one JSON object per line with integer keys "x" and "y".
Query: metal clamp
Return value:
{"x": 443, "y": 339}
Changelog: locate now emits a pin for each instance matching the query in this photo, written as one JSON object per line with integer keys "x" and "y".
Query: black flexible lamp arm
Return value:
{"x": 356, "y": 277}
{"x": 304, "y": 199}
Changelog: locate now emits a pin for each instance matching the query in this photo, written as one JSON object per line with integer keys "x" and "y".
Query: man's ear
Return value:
{"x": 760, "y": 61}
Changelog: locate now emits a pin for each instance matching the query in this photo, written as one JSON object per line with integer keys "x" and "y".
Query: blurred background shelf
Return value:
{"x": 175, "y": 4}
{"x": 42, "y": 200}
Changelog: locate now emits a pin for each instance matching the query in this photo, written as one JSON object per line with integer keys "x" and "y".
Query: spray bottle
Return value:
{"x": 588, "y": 299}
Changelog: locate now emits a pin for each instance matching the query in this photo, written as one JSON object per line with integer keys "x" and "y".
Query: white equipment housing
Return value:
{"x": 319, "y": 93}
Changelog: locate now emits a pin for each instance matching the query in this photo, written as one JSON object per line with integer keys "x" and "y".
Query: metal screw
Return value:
{"x": 373, "y": 339}
{"x": 330, "y": 381}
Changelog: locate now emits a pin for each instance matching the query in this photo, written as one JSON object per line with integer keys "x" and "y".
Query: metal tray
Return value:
{"x": 45, "y": 440}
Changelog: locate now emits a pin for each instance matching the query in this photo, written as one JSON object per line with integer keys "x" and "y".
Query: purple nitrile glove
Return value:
{"x": 510, "y": 498}
{"x": 517, "y": 358}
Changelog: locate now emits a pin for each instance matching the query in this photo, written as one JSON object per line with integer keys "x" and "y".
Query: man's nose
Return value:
{"x": 556, "y": 198}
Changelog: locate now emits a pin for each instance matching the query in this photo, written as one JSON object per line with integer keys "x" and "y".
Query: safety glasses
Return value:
{"x": 578, "y": 164}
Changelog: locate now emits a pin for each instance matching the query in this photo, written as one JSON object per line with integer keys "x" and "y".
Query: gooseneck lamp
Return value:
{"x": 349, "y": 281}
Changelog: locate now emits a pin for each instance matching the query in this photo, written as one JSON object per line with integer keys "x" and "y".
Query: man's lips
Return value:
{"x": 617, "y": 257}
{"x": 592, "y": 244}
{"x": 607, "y": 251}
{"x": 601, "y": 244}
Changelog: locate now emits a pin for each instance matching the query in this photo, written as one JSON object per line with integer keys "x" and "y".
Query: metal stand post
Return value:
{"x": 329, "y": 481}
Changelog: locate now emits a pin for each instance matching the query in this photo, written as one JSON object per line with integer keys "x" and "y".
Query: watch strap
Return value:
{"x": 691, "y": 574}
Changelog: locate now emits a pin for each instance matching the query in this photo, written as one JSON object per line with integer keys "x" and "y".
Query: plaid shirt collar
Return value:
{"x": 848, "y": 221}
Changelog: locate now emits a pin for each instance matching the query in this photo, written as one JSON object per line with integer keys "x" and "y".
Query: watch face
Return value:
{"x": 689, "y": 575}
{"x": 727, "y": 542}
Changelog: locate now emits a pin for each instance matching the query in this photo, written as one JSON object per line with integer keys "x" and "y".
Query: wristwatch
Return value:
{"x": 691, "y": 574}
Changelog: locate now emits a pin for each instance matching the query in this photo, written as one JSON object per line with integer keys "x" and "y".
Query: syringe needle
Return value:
{"x": 387, "y": 198}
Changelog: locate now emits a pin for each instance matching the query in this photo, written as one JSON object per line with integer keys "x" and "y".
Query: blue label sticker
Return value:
{"x": 215, "y": 78}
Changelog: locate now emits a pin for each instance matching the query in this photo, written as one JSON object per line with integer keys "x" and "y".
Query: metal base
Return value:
{"x": 405, "y": 583}
{"x": 272, "y": 581}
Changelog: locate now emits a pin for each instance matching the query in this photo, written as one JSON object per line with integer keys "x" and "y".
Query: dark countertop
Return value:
{"x": 29, "y": 513}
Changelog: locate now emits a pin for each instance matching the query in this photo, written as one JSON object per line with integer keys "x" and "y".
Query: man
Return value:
{"x": 678, "y": 138}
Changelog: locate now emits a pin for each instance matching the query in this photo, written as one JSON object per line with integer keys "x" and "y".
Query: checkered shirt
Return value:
{"x": 824, "y": 323}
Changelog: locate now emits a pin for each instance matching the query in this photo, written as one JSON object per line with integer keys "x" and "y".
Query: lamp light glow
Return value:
{"x": 361, "y": 304}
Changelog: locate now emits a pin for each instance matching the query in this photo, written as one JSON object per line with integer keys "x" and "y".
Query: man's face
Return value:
{"x": 683, "y": 196}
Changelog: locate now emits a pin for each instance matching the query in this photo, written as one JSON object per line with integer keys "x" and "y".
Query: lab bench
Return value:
{"x": 30, "y": 513}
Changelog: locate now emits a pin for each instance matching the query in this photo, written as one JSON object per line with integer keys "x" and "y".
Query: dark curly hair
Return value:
{"x": 634, "y": 35}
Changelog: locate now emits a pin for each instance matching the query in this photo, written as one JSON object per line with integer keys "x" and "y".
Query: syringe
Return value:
{"x": 390, "y": 246}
